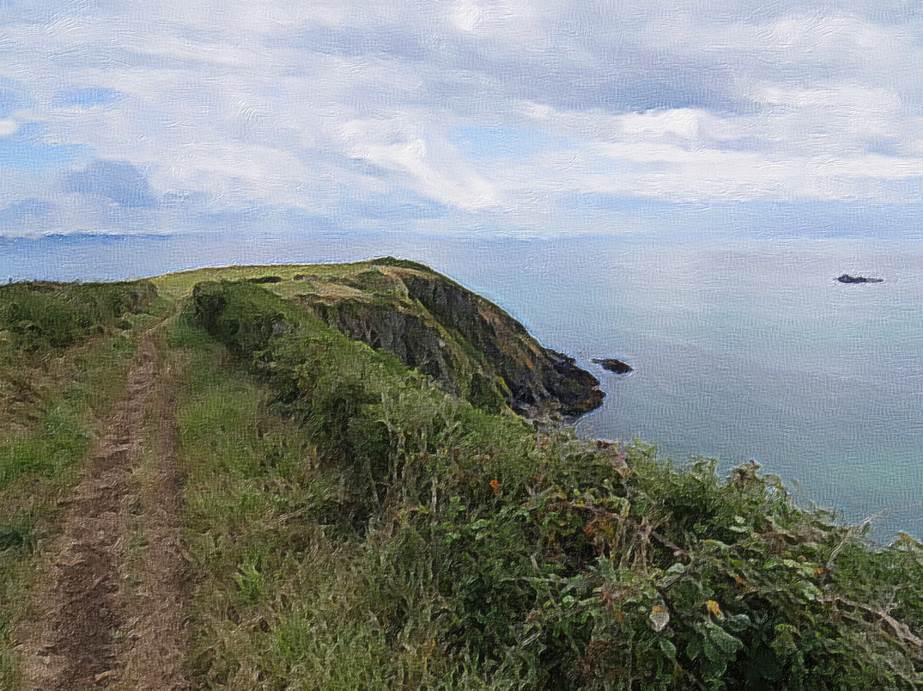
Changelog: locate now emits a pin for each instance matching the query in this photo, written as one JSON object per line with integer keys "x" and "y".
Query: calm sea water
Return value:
{"x": 743, "y": 349}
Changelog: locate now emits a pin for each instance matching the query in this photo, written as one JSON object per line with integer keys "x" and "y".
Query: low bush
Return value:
{"x": 265, "y": 279}
{"x": 48, "y": 315}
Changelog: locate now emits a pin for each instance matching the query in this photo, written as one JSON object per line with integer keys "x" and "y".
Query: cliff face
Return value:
{"x": 464, "y": 341}
{"x": 418, "y": 341}
{"x": 535, "y": 375}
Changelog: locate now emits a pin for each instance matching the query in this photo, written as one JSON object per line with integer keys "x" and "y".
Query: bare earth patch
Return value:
{"x": 98, "y": 627}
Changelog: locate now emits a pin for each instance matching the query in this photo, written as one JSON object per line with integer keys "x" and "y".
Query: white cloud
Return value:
{"x": 467, "y": 15}
{"x": 323, "y": 106}
{"x": 434, "y": 168}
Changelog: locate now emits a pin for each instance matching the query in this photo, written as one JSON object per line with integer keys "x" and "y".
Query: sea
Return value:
{"x": 742, "y": 348}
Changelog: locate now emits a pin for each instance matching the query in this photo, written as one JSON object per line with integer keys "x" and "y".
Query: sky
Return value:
{"x": 520, "y": 117}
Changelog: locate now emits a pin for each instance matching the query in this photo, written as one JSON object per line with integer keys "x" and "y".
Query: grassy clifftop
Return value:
{"x": 469, "y": 345}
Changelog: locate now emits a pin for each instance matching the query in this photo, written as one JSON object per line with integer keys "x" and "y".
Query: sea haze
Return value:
{"x": 742, "y": 349}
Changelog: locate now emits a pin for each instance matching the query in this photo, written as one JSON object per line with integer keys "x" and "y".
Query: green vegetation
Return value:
{"x": 470, "y": 346}
{"x": 63, "y": 352}
{"x": 353, "y": 525}
{"x": 354, "y": 520}
{"x": 47, "y": 315}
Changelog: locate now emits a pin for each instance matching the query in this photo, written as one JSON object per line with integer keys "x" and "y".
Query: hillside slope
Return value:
{"x": 445, "y": 330}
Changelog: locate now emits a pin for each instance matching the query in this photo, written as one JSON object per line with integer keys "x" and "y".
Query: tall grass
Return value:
{"x": 360, "y": 528}
{"x": 274, "y": 604}
{"x": 49, "y": 315}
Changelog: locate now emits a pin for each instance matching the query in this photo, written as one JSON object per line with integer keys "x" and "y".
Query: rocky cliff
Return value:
{"x": 435, "y": 325}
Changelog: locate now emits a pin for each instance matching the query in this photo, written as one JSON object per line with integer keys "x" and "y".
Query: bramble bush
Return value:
{"x": 497, "y": 555}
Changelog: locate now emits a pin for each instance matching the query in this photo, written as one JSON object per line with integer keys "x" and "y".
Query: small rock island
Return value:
{"x": 613, "y": 365}
{"x": 846, "y": 278}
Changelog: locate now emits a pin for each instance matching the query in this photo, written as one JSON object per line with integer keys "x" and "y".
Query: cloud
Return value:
{"x": 19, "y": 214}
{"x": 470, "y": 114}
{"x": 432, "y": 167}
{"x": 117, "y": 181}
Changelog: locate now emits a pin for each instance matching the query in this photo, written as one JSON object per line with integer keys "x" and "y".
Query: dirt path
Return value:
{"x": 111, "y": 609}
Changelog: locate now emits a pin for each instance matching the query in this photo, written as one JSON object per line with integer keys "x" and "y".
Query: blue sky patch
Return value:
{"x": 504, "y": 141}
{"x": 9, "y": 101}
{"x": 86, "y": 97}
{"x": 26, "y": 149}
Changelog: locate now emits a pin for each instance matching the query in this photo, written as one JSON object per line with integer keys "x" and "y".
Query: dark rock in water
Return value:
{"x": 613, "y": 365}
{"x": 846, "y": 278}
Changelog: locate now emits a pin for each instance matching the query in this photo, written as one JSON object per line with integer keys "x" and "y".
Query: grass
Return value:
{"x": 356, "y": 527}
{"x": 363, "y": 279}
{"x": 271, "y": 604}
{"x": 177, "y": 286}
{"x": 283, "y": 595}
{"x": 38, "y": 468}
{"x": 40, "y": 316}
{"x": 59, "y": 380}
{"x": 349, "y": 524}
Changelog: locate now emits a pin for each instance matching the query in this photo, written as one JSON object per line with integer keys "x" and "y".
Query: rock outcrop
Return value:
{"x": 846, "y": 278}
{"x": 613, "y": 365}
{"x": 470, "y": 345}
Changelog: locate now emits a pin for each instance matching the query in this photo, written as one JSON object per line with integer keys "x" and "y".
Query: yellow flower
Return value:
{"x": 714, "y": 608}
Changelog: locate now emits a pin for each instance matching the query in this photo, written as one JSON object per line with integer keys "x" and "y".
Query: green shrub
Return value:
{"x": 242, "y": 319}
{"x": 49, "y": 315}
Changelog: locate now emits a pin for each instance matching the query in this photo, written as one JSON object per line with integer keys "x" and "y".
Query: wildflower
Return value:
{"x": 714, "y": 608}
{"x": 495, "y": 486}
{"x": 659, "y": 617}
